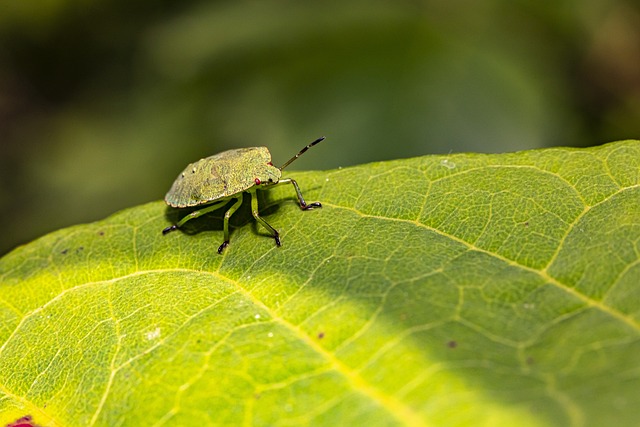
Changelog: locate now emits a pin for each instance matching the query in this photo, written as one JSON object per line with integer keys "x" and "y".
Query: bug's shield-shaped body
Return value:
{"x": 222, "y": 175}
{"x": 222, "y": 178}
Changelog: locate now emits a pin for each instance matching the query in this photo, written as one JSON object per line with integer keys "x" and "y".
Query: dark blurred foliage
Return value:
{"x": 103, "y": 103}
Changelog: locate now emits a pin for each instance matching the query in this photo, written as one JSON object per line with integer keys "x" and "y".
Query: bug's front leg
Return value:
{"x": 303, "y": 205}
{"x": 265, "y": 224}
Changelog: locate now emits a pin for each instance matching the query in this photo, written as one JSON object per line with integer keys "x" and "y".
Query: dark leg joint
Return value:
{"x": 222, "y": 246}
{"x": 277, "y": 238}
{"x": 170, "y": 228}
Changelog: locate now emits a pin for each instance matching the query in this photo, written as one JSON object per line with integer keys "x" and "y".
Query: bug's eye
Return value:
{"x": 257, "y": 181}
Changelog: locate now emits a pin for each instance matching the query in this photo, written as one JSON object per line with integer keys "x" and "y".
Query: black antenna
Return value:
{"x": 301, "y": 152}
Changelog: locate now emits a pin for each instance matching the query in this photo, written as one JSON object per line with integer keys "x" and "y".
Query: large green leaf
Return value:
{"x": 462, "y": 290}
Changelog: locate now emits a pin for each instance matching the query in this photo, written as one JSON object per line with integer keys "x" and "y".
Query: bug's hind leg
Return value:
{"x": 265, "y": 224}
{"x": 227, "y": 215}
{"x": 194, "y": 214}
{"x": 303, "y": 205}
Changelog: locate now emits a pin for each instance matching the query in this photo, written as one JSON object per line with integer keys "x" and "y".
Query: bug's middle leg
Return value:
{"x": 227, "y": 215}
{"x": 265, "y": 224}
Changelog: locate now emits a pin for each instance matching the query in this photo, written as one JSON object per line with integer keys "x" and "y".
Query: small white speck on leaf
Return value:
{"x": 257, "y": 316}
{"x": 152, "y": 335}
{"x": 270, "y": 334}
{"x": 447, "y": 164}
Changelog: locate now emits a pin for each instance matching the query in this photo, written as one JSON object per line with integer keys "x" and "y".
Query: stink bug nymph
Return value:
{"x": 216, "y": 180}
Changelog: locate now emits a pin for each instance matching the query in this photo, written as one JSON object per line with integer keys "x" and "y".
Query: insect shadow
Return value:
{"x": 214, "y": 221}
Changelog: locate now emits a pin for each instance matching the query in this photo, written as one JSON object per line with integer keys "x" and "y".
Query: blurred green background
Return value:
{"x": 103, "y": 103}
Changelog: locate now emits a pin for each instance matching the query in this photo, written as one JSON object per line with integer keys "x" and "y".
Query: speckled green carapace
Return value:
{"x": 223, "y": 177}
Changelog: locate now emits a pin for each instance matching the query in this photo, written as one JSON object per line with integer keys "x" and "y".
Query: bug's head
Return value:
{"x": 268, "y": 176}
{"x": 301, "y": 152}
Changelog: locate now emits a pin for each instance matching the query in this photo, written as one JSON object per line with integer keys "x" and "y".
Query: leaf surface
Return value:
{"x": 450, "y": 290}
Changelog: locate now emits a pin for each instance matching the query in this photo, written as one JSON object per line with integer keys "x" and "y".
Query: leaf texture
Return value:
{"x": 452, "y": 290}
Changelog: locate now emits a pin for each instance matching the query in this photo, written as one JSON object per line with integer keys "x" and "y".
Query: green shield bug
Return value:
{"x": 223, "y": 177}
